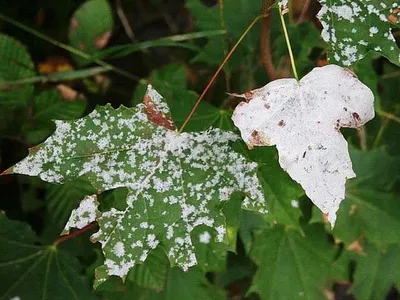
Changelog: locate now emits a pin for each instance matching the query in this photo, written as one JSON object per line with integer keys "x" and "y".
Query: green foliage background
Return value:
{"x": 176, "y": 46}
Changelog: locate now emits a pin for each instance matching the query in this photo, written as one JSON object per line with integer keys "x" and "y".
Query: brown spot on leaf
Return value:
{"x": 281, "y": 123}
{"x": 248, "y": 95}
{"x": 356, "y": 246}
{"x": 393, "y": 17}
{"x": 73, "y": 25}
{"x": 68, "y": 93}
{"x": 33, "y": 149}
{"x": 356, "y": 117}
{"x": 102, "y": 40}
{"x": 352, "y": 210}
{"x": 257, "y": 140}
{"x": 156, "y": 116}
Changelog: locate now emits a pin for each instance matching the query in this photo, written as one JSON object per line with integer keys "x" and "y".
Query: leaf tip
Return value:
{"x": 157, "y": 110}
{"x": 6, "y": 172}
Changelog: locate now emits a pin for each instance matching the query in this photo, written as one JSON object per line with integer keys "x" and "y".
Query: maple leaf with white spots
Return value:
{"x": 354, "y": 28}
{"x": 303, "y": 119}
{"x": 176, "y": 182}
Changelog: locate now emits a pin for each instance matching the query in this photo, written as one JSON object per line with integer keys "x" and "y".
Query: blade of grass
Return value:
{"x": 170, "y": 41}
{"x": 58, "y": 76}
{"x": 69, "y": 48}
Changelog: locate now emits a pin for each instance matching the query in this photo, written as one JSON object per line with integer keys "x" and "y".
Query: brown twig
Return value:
{"x": 265, "y": 41}
{"x": 71, "y": 235}
{"x": 303, "y": 12}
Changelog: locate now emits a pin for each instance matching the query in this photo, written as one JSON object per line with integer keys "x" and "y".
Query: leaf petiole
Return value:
{"x": 75, "y": 233}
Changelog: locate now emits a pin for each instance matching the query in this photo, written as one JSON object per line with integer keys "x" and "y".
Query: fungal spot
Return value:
{"x": 156, "y": 116}
{"x": 102, "y": 40}
{"x": 345, "y": 108}
{"x": 73, "y": 25}
{"x": 352, "y": 210}
{"x": 356, "y": 117}
{"x": 267, "y": 106}
{"x": 257, "y": 140}
{"x": 248, "y": 95}
{"x": 33, "y": 149}
{"x": 281, "y": 123}
{"x": 393, "y": 18}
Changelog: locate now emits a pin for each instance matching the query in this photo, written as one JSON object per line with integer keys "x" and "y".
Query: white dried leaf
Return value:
{"x": 303, "y": 119}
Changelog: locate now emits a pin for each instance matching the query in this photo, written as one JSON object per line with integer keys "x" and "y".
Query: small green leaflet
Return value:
{"x": 176, "y": 182}
{"x": 353, "y": 28}
{"x": 90, "y": 28}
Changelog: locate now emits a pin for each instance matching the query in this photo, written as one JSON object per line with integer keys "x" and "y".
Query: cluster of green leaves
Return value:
{"x": 289, "y": 253}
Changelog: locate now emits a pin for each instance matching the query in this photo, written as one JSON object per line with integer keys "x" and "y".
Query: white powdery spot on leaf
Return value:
{"x": 303, "y": 119}
{"x": 83, "y": 215}
{"x": 176, "y": 182}
{"x": 294, "y": 203}
{"x": 205, "y": 237}
{"x": 353, "y": 28}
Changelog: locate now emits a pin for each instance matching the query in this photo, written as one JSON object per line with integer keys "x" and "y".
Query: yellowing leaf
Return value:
{"x": 303, "y": 119}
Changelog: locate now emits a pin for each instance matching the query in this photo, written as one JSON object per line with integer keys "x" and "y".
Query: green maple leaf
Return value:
{"x": 178, "y": 285}
{"x": 376, "y": 272}
{"x": 30, "y": 272}
{"x": 291, "y": 266}
{"x": 353, "y": 28}
{"x": 176, "y": 182}
{"x": 370, "y": 205}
